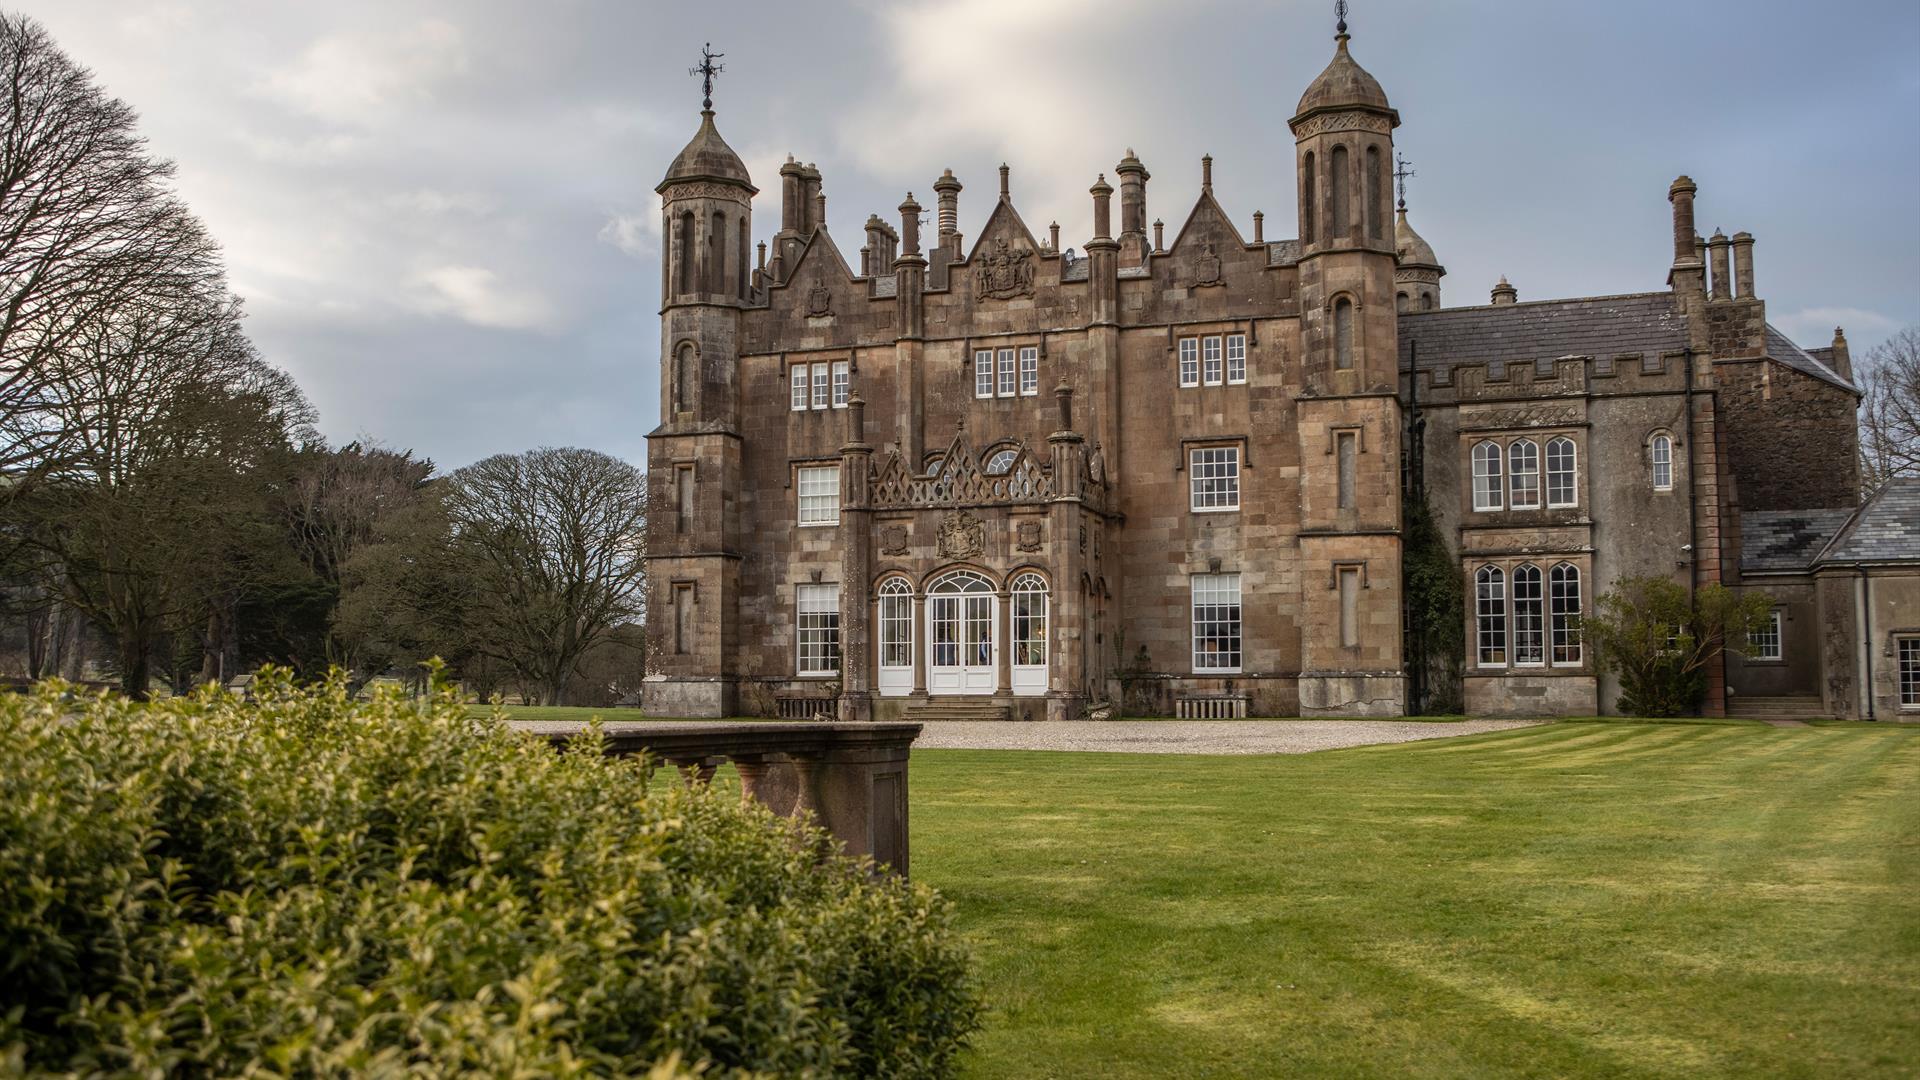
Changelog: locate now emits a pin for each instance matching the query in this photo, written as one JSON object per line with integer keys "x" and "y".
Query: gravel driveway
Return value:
{"x": 1193, "y": 736}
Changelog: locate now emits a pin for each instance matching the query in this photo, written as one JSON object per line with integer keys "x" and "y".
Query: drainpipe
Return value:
{"x": 1864, "y": 598}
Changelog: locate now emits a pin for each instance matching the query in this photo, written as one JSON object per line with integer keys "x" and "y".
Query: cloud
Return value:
{"x": 476, "y": 295}
{"x": 354, "y": 77}
{"x": 1814, "y": 326}
{"x": 635, "y": 234}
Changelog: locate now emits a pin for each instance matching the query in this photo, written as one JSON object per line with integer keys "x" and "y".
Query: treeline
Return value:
{"x": 168, "y": 502}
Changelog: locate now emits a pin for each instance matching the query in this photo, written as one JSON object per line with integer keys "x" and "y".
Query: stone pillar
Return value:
{"x": 1067, "y": 603}
{"x": 1003, "y": 642}
{"x": 921, "y": 643}
{"x": 1717, "y": 249}
{"x": 1743, "y": 265}
{"x": 856, "y": 567}
{"x": 910, "y": 316}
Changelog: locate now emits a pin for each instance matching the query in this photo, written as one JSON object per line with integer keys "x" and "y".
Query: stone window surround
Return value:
{"x": 1653, "y": 464}
{"x": 1472, "y": 439}
{"x": 1905, "y": 653}
{"x": 1545, "y": 563}
{"x": 1233, "y": 343}
{"x": 1189, "y": 451}
{"x": 1770, "y": 647}
{"x": 801, "y": 494}
{"x": 1216, "y": 580}
{"x": 1009, "y": 364}
{"x": 817, "y": 385}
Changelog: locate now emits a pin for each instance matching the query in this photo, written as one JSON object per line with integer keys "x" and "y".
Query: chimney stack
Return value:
{"x": 1102, "y": 208}
{"x": 813, "y": 211}
{"x": 1259, "y": 227}
{"x": 1681, "y": 196}
{"x": 1133, "y": 195}
{"x": 1743, "y": 265}
{"x": 910, "y": 227}
{"x": 1504, "y": 293}
{"x": 1717, "y": 247}
{"x": 947, "y": 191}
{"x": 1842, "y": 359}
{"x": 1158, "y": 229}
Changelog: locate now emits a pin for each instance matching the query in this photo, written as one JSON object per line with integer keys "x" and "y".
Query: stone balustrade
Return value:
{"x": 850, "y": 777}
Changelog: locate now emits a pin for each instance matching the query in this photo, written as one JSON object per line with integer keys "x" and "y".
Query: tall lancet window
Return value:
{"x": 685, "y": 371}
{"x": 1376, "y": 207}
{"x": 1337, "y": 185}
{"x": 716, "y": 254}
{"x": 684, "y": 253}
{"x": 1309, "y": 207}
{"x": 746, "y": 244}
{"x": 1343, "y": 334}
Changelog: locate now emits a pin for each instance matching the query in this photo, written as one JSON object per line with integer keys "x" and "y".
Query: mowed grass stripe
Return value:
{"x": 1654, "y": 900}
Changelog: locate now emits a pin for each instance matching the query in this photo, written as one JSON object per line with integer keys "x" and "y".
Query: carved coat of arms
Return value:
{"x": 1003, "y": 273}
{"x": 819, "y": 302}
{"x": 1206, "y": 269}
{"x": 893, "y": 540}
{"x": 1028, "y": 536}
{"x": 962, "y": 536}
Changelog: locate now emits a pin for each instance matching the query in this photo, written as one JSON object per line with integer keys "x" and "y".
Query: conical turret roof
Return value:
{"x": 1343, "y": 85}
{"x": 708, "y": 157}
{"x": 1413, "y": 250}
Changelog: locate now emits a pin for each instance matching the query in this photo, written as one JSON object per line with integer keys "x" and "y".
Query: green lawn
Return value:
{"x": 1583, "y": 899}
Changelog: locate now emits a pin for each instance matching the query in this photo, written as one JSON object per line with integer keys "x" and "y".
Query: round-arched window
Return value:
{"x": 1029, "y": 599}
{"x": 1000, "y": 462}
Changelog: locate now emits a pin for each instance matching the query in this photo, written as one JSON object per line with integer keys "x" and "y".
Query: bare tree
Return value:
{"x": 160, "y": 517}
{"x": 87, "y": 225}
{"x": 550, "y": 544}
{"x": 1890, "y": 410}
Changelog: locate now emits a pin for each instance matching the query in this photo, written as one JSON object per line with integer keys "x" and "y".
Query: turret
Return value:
{"x": 1343, "y": 147}
{"x": 1416, "y": 278}
{"x": 707, "y": 220}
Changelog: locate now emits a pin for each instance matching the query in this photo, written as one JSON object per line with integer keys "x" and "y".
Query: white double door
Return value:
{"x": 962, "y": 648}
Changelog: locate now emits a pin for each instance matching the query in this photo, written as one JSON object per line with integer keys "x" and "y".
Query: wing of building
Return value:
{"x": 990, "y": 476}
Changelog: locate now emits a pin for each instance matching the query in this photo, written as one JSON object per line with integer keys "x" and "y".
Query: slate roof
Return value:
{"x": 1786, "y": 539}
{"x": 1885, "y": 529}
{"x": 1544, "y": 330}
{"x": 1781, "y": 348}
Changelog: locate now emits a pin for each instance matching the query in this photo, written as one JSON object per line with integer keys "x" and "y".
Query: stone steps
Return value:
{"x": 1799, "y": 707}
{"x": 977, "y": 709}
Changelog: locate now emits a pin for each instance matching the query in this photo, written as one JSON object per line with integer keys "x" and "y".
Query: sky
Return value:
{"x": 441, "y": 214}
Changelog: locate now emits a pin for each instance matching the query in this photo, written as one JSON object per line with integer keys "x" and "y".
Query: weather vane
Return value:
{"x": 1340, "y": 13}
{"x": 707, "y": 70}
{"x": 1400, "y": 174}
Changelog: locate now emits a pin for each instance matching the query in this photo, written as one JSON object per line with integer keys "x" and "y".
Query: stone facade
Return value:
{"x": 1167, "y": 477}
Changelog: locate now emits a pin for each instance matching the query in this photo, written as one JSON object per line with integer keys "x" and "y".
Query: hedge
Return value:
{"x": 302, "y": 884}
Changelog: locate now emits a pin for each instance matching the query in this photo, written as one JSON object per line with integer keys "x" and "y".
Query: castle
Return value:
{"x": 1169, "y": 476}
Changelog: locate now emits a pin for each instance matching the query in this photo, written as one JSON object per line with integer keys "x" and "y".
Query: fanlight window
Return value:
{"x": 1000, "y": 462}
{"x": 963, "y": 582}
{"x": 934, "y": 461}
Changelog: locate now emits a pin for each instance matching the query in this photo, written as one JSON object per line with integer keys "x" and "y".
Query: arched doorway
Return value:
{"x": 894, "y": 618}
{"x": 961, "y": 651}
{"x": 1028, "y": 598}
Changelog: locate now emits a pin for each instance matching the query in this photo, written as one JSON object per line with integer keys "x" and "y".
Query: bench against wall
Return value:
{"x": 851, "y": 777}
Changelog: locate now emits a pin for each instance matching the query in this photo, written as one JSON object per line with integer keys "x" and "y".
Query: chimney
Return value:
{"x": 1504, "y": 293}
{"x": 1005, "y": 193}
{"x": 1681, "y": 196}
{"x": 1102, "y": 212}
{"x": 1743, "y": 265}
{"x": 910, "y": 227}
{"x": 947, "y": 191}
{"x": 1259, "y": 227}
{"x": 877, "y": 244}
{"x": 866, "y": 260}
{"x": 1133, "y": 195}
{"x": 1717, "y": 247}
{"x": 792, "y": 191}
{"x": 1206, "y": 172}
{"x": 813, "y": 210}
{"x": 1842, "y": 360}
{"x": 1053, "y": 237}
{"x": 1158, "y": 228}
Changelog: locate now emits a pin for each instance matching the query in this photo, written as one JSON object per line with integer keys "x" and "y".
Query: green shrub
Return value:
{"x": 302, "y": 884}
